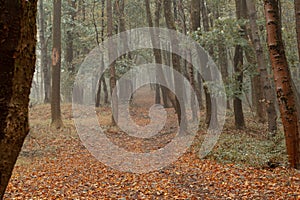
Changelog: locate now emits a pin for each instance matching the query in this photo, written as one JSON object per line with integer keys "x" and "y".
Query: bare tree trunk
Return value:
{"x": 238, "y": 68}
{"x": 285, "y": 94}
{"x": 195, "y": 24}
{"x": 180, "y": 108}
{"x": 44, "y": 54}
{"x": 166, "y": 94}
{"x": 69, "y": 52}
{"x": 112, "y": 50}
{"x": 17, "y": 63}
{"x": 257, "y": 89}
{"x": 210, "y": 101}
{"x": 56, "y": 65}
{"x": 102, "y": 78}
{"x": 264, "y": 76}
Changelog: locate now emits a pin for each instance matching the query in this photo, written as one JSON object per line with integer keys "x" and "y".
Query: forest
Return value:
{"x": 149, "y": 99}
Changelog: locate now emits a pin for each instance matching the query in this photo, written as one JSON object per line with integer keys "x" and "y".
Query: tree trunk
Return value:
{"x": 257, "y": 89}
{"x": 237, "y": 101}
{"x": 44, "y": 54}
{"x": 238, "y": 68}
{"x": 158, "y": 56}
{"x": 297, "y": 15}
{"x": 195, "y": 25}
{"x": 283, "y": 83}
{"x": 264, "y": 76}
{"x": 180, "y": 108}
{"x": 56, "y": 65}
{"x": 112, "y": 50}
{"x": 102, "y": 78}
{"x": 17, "y": 63}
{"x": 210, "y": 101}
{"x": 69, "y": 52}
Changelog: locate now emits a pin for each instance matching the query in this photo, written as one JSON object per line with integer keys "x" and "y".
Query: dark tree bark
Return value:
{"x": 112, "y": 50}
{"x": 56, "y": 66}
{"x": 264, "y": 76}
{"x": 238, "y": 68}
{"x": 285, "y": 94}
{"x": 17, "y": 63}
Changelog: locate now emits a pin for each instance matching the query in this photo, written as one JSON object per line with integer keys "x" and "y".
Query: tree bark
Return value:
{"x": 112, "y": 50}
{"x": 56, "y": 66}
{"x": 102, "y": 78}
{"x": 238, "y": 68}
{"x": 297, "y": 15}
{"x": 257, "y": 88}
{"x": 285, "y": 94}
{"x": 180, "y": 108}
{"x": 264, "y": 76}
{"x": 195, "y": 25}
{"x": 43, "y": 43}
{"x": 17, "y": 64}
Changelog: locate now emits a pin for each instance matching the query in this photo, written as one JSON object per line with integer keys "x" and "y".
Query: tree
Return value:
{"x": 297, "y": 15}
{"x": 17, "y": 63}
{"x": 285, "y": 94}
{"x": 166, "y": 93}
{"x": 112, "y": 50}
{"x": 264, "y": 76}
{"x": 195, "y": 24}
{"x": 69, "y": 49}
{"x": 56, "y": 66}
{"x": 44, "y": 54}
{"x": 102, "y": 78}
{"x": 209, "y": 100}
{"x": 238, "y": 68}
{"x": 180, "y": 108}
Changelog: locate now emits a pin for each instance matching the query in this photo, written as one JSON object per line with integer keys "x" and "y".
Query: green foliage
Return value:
{"x": 245, "y": 149}
{"x": 226, "y": 30}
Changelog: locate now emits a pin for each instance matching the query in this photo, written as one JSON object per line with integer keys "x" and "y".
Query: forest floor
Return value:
{"x": 243, "y": 165}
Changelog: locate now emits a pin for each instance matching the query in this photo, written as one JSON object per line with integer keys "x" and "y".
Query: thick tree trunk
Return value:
{"x": 56, "y": 66}
{"x": 269, "y": 93}
{"x": 285, "y": 94}
{"x": 180, "y": 108}
{"x": 17, "y": 63}
{"x": 112, "y": 50}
